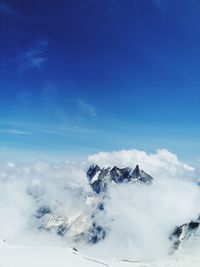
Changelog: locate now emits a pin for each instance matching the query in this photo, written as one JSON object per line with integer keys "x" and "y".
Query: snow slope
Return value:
{"x": 62, "y": 257}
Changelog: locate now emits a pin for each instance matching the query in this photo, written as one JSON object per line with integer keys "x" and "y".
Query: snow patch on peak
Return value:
{"x": 100, "y": 179}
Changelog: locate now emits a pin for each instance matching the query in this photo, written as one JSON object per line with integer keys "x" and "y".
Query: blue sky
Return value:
{"x": 77, "y": 77}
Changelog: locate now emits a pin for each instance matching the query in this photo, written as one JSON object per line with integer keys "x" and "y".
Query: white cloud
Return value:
{"x": 14, "y": 132}
{"x": 87, "y": 108}
{"x": 26, "y": 128}
{"x": 140, "y": 217}
{"x": 33, "y": 57}
{"x": 157, "y": 2}
{"x": 144, "y": 216}
{"x": 161, "y": 4}
{"x": 7, "y": 9}
{"x": 162, "y": 161}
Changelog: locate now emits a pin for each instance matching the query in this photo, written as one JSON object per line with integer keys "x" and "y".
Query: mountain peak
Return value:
{"x": 100, "y": 178}
{"x": 137, "y": 170}
{"x": 92, "y": 171}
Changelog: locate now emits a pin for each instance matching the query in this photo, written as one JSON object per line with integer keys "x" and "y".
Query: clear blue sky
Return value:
{"x": 80, "y": 76}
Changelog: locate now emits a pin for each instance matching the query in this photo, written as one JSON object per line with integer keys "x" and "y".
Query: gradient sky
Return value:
{"x": 80, "y": 76}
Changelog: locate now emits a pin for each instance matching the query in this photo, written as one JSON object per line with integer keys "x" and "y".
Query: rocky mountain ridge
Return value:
{"x": 100, "y": 178}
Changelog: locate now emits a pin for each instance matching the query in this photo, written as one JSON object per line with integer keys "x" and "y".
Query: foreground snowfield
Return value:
{"x": 62, "y": 257}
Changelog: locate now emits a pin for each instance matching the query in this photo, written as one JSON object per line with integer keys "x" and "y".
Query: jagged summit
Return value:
{"x": 137, "y": 170}
{"x": 99, "y": 178}
{"x": 92, "y": 171}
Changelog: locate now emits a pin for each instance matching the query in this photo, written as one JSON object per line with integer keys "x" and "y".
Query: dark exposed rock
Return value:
{"x": 120, "y": 175}
{"x": 41, "y": 211}
{"x": 96, "y": 233}
{"x": 193, "y": 225}
{"x": 92, "y": 171}
{"x": 182, "y": 233}
{"x": 100, "y": 206}
{"x": 141, "y": 176}
{"x": 100, "y": 178}
{"x": 99, "y": 186}
{"x": 75, "y": 249}
{"x": 61, "y": 229}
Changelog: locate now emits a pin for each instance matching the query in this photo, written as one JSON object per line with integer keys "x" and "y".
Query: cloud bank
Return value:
{"x": 162, "y": 162}
{"x": 140, "y": 218}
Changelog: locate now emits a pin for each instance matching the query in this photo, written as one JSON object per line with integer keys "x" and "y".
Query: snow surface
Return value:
{"x": 62, "y": 257}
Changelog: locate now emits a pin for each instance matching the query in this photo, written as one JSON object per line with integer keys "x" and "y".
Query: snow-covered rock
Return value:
{"x": 101, "y": 178}
{"x": 183, "y": 233}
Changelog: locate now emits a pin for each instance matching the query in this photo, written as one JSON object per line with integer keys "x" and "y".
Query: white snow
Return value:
{"x": 64, "y": 257}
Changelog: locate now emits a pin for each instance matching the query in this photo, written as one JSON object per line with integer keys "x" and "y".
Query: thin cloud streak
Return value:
{"x": 7, "y": 10}
{"x": 33, "y": 57}
{"x": 36, "y": 129}
{"x": 14, "y": 132}
{"x": 87, "y": 108}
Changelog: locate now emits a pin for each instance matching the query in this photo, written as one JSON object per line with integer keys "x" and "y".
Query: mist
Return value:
{"x": 138, "y": 218}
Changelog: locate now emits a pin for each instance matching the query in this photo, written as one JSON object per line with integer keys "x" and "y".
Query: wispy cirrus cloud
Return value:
{"x": 160, "y": 4}
{"x": 33, "y": 57}
{"x": 87, "y": 108}
{"x": 7, "y": 10}
{"x": 157, "y": 2}
{"x": 24, "y": 128}
{"x": 14, "y": 132}
{"x": 68, "y": 131}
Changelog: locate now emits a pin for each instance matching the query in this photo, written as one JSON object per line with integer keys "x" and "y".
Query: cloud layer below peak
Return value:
{"x": 140, "y": 218}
